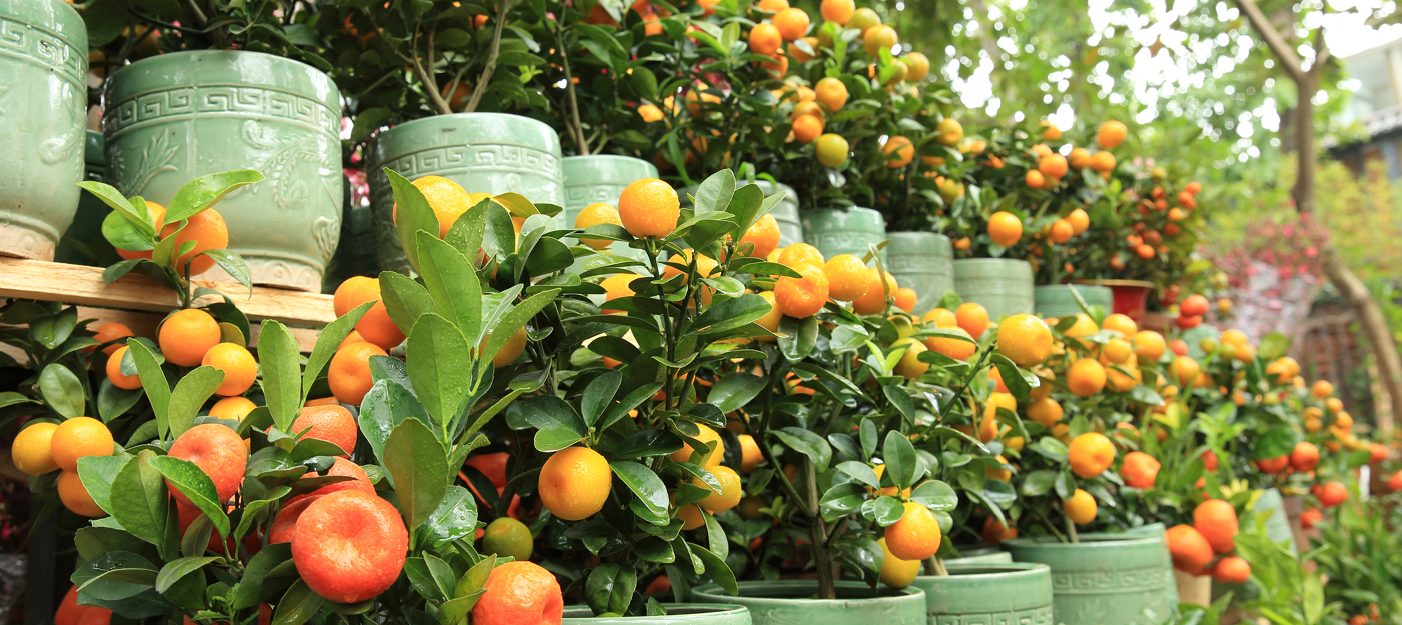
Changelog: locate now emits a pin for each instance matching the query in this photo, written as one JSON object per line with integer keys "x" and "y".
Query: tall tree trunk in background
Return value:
{"x": 1370, "y": 316}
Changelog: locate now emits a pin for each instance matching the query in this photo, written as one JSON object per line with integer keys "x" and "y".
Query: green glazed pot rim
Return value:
{"x": 1088, "y": 541}
{"x": 1100, "y": 282}
{"x": 422, "y": 121}
{"x": 990, "y": 571}
{"x": 839, "y": 210}
{"x": 991, "y": 261}
{"x": 916, "y": 233}
{"x": 797, "y": 590}
{"x": 181, "y": 56}
{"x": 680, "y": 612}
{"x": 597, "y": 157}
{"x": 1068, "y": 286}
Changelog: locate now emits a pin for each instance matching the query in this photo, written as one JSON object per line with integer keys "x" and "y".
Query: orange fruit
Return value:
{"x": 764, "y": 234}
{"x": 1149, "y": 345}
{"x": 954, "y": 348}
{"x": 765, "y": 39}
{"x": 863, "y": 19}
{"x": 1045, "y": 411}
{"x": 240, "y": 370}
{"x": 78, "y": 437}
{"x": 941, "y": 317}
{"x": 349, "y": 546}
{"x": 808, "y": 107}
{"x": 807, "y": 128}
{"x": 803, "y": 57}
{"x": 910, "y": 366}
{"x": 332, "y": 424}
{"x": 772, "y": 6}
{"x": 800, "y": 255}
{"x": 837, "y": 10}
{"x": 1080, "y": 508}
{"x": 1086, "y": 377}
{"x": 340, "y": 468}
{"x": 711, "y": 439}
{"x": 519, "y": 593}
{"x": 792, "y": 23}
{"x": 108, "y": 333}
{"x": 114, "y": 371}
{"x": 1090, "y": 454}
{"x": 375, "y": 326}
{"x": 1191, "y": 551}
{"x": 1079, "y": 219}
{"x": 1232, "y": 570}
{"x": 157, "y": 214}
{"x": 1322, "y": 389}
{"x": 75, "y": 496}
{"x": 31, "y": 452}
{"x": 832, "y": 94}
{"x": 284, "y": 526}
{"x": 235, "y": 408}
{"x": 750, "y": 454}
{"x": 873, "y": 301}
{"x": 575, "y": 483}
{"x": 342, "y": 301}
{"x": 514, "y": 347}
{"x": 895, "y": 572}
{"x": 832, "y": 150}
{"x": 770, "y": 320}
{"x": 1102, "y": 162}
{"x": 1004, "y": 228}
{"x": 692, "y": 516}
{"x": 904, "y": 299}
{"x": 1216, "y": 521}
{"x": 447, "y": 199}
{"x": 1062, "y": 231}
{"x": 349, "y": 372}
{"x": 208, "y": 231}
{"x": 1305, "y": 457}
{"x": 1140, "y": 470}
{"x": 648, "y": 112}
{"x": 877, "y": 38}
{"x": 593, "y": 215}
{"x": 917, "y": 66}
{"x": 1334, "y": 404}
{"x": 916, "y": 535}
{"x": 847, "y": 277}
{"x": 1111, "y": 134}
{"x": 616, "y": 286}
{"x": 995, "y": 532}
{"x": 1184, "y": 370}
{"x": 801, "y": 298}
{"x": 1120, "y": 323}
{"x": 649, "y": 208}
{"x": 899, "y": 152}
{"x": 1330, "y": 494}
{"x": 1117, "y": 351}
{"x": 972, "y": 317}
{"x": 70, "y": 613}
{"x": 730, "y": 490}
{"x": 1052, "y": 166}
{"x": 186, "y": 335}
{"x": 1025, "y": 340}
{"x": 216, "y": 450}
{"x": 1035, "y": 179}
{"x": 491, "y": 465}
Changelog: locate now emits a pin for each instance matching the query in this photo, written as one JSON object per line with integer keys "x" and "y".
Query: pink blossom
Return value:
{"x": 1311, "y": 251}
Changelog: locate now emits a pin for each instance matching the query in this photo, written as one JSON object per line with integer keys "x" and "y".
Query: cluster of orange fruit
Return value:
{"x": 1052, "y": 167}
{"x": 46, "y": 447}
{"x": 1212, "y": 534}
{"x": 189, "y": 338}
{"x": 206, "y": 229}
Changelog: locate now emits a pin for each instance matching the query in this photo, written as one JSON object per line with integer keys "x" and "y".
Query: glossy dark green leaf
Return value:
{"x": 115, "y": 576}
{"x": 439, "y": 366}
{"x": 935, "y": 495}
{"x": 456, "y": 517}
{"x": 113, "y": 402}
{"x": 232, "y": 263}
{"x": 610, "y": 588}
{"x": 297, "y": 606}
{"x": 899, "y": 456}
{"x": 405, "y": 299}
{"x": 413, "y": 214}
{"x": 715, "y": 191}
{"x": 190, "y": 394}
{"x": 808, "y": 444}
{"x": 173, "y": 571}
{"x": 647, "y": 444}
{"x": 280, "y": 363}
{"x": 62, "y": 391}
{"x": 717, "y": 569}
{"x": 645, "y": 484}
{"x": 452, "y": 282}
{"x": 731, "y": 314}
{"x": 249, "y": 592}
{"x": 120, "y": 204}
{"x": 97, "y": 474}
{"x": 194, "y": 483}
{"x": 598, "y": 396}
{"x": 139, "y": 500}
{"x": 1038, "y": 483}
{"x": 52, "y": 330}
{"x": 558, "y": 425}
{"x": 513, "y": 320}
{"x": 417, "y": 465}
{"x": 900, "y": 400}
{"x": 206, "y": 191}
{"x": 798, "y": 337}
{"x": 884, "y": 510}
{"x": 1274, "y": 443}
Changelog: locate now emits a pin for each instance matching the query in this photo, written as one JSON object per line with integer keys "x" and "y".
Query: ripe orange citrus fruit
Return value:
{"x": 240, "y": 370}
{"x": 847, "y": 277}
{"x": 375, "y": 326}
{"x": 917, "y": 66}
{"x": 216, "y": 450}
{"x": 879, "y": 285}
{"x": 186, "y": 335}
{"x": 801, "y": 298}
{"x": 340, "y": 468}
{"x": 1080, "y": 508}
{"x": 832, "y": 150}
{"x": 78, "y": 437}
{"x": 1149, "y": 345}
{"x": 730, "y": 490}
{"x": 972, "y": 317}
{"x": 837, "y": 10}
{"x": 284, "y": 526}
{"x": 616, "y": 286}
{"x": 832, "y": 94}
{"x": 1140, "y": 470}
{"x": 1045, "y": 411}
{"x": 750, "y": 454}
{"x": 1090, "y": 454}
{"x": 1185, "y": 370}
{"x": 519, "y": 593}
{"x": 1122, "y": 324}
{"x": 75, "y": 496}
{"x": 770, "y": 320}
{"x": 349, "y": 546}
{"x": 942, "y": 318}
{"x": 108, "y": 333}
{"x": 764, "y": 233}
{"x": 342, "y": 302}
{"x": 895, "y": 572}
{"x": 1191, "y": 551}
{"x": 877, "y": 38}
{"x": 1111, "y": 134}
{"x": 1086, "y": 377}
{"x": 711, "y": 439}
{"x": 899, "y": 152}
{"x": 332, "y": 424}
{"x": 904, "y": 298}
{"x": 792, "y": 23}
{"x": 910, "y": 366}
{"x": 1231, "y": 570}
{"x": 593, "y": 215}
{"x": 800, "y": 255}
{"x": 649, "y": 208}
{"x": 575, "y": 483}
{"x": 1052, "y": 166}
{"x": 447, "y": 199}
{"x": 514, "y": 347}
{"x": 1025, "y": 340}
{"x": 1004, "y": 228}
{"x": 1322, "y": 389}
{"x": 916, "y": 535}
{"x": 1217, "y": 522}
{"x": 114, "y": 371}
{"x": 349, "y": 372}
{"x": 995, "y": 532}
{"x": 807, "y": 128}
{"x": 32, "y": 452}
{"x": 765, "y": 39}
{"x": 1062, "y": 231}
{"x": 692, "y": 516}
{"x": 1079, "y": 219}
{"x": 208, "y": 231}
{"x": 1102, "y": 161}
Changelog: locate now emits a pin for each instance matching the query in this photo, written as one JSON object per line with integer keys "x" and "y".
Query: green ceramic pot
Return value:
{"x": 1056, "y": 300}
{"x": 677, "y": 614}
{"x": 484, "y": 152}
{"x": 923, "y": 261}
{"x": 86, "y": 229}
{"x": 982, "y": 593}
{"x": 1104, "y": 579}
{"x": 791, "y": 602}
{"x": 1001, "y": 285}
{"x": 174, "y": 117}
{"x": 991, "y": 557}
{"x": 1278, "y": 523}
{"x": 1158, "y": 529}
{"x": 843, "y": 230}
{"x": 43, "y": 101}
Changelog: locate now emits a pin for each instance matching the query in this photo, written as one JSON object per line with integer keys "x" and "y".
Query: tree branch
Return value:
{"x": 430, "y": 82}
{"x": 1321, "y": 54}
{"x": 1287, "y": 56}
{"x": 574, "y": 120}
{"x": 486, "y": 77}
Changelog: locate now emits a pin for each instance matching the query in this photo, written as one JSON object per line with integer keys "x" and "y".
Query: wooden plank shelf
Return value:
{"x": 139, "y": 302}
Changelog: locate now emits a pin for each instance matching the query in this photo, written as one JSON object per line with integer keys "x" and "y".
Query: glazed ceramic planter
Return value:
{"x": 86, "y": 229}
{"x": 998, "y": 593}
{"x": 923, "y": 261}
{"x": 1104, "y": 579}
{"x": 1056, "y": 300}
{"x": 43, "y": 100}
{"x": 484, "y": 152}
{"x": 1279, "y": 523}
{"x": 677, "y": 614}
{"x": 993, "y": 556}
{"x": 1131, "y": 296}
{"x": 599, "y": 178}
{"x": 174, "y": 117}
{"x": 843, "y": 230}
{"x": 791, "y": 602}
{"x": 1001, "y": 285}
{"x": 1158, "y": 529}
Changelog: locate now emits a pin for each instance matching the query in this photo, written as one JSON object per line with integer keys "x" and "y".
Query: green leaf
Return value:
{"x": 899, "y": 456}
{"x": 189, "y": 395}
{"x": 387, "y": 405}
{"x": 97, "y": 474}
{"x": 405, "y": 300}
{"x": 280, "y": 363}
{"x": 798, "y": 337}
{"x": 206, "y": 191}
{"x": 598, "y": 396}
{"x": 731, "y": 314}
{"x": 610, "y": 588}
{"x": 935, "y": 495}
{"x": 327, "y": 342}
{"x": 1038, "y": 483}
{"x": 466, "y": 234}
{"x": 884, "y": 510}
{"x": 716, "y": 569}
{"x": 732, "y": 391}
{"x": 11, "y": 398}
{"x": 418, "y": 468}
{"x": 298, "y": 605}
{"x": 1274, "y": 443}
{"x": 115, "y": 576}
{"x": 715, "y": 191}
{"x": 452, "y": 282}
{"x": 112, "y": 402}
{"x": 62, "y": 391}
{"x": 455, "y": 518}
{"x": 230, "y": 262}
{"x": 647, "y": 443}
{"x": 249, "y": 591}
{"x": 119, "y": 203}
{"x": 194, "y": 483}
{"x": 52, "y": 330}
{"x": 808, "y": 444}
{"x": 439, "y": 367}
{"x": 173, "y": 571}
{"x": 861, "y": 472}
{"x": 514, "y": 320}
{"x": 139, "y": 499}
{"x": 1013, "y": 377}
{"x": 1273, "y": 346}
{"x": 558, "y": 425}
{"x": 412, "y": 215}
{"x": 645, "y": 484}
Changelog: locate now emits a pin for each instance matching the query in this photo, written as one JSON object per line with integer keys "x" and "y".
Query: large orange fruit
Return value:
{"x": 1216, "y": 521}
{"x": 376, "y": 326}
{"x": 240, "y": 370}
{"x": 349, "y": 546}
{"x": 1191, "y": 551}
{"x": 575, "y": 483}
{"x": 649, "y": 208}
{"x": 1091, "y": 454}
{"x": 78, "y": 437}
{"x": 186, "y": 335}
{"x": 916, "y": 535}
{"x": 333, "y": 424}
{"x": 216, "y": 450}
{"x": 519, "y": 593}
{"x": 284, "y": 526}
{"x": 1140, "y": 470}
{"x": 208, "y": 231}
{"x": 349, "y": 372}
